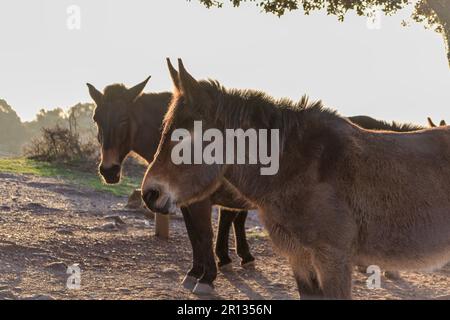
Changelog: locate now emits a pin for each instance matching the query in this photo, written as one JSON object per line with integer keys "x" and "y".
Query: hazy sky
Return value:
{"x": 394, "y": 73}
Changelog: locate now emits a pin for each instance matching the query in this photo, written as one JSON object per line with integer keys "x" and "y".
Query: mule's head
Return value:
{"x": 115, "y": 130}
{"x": 170, "y": 182}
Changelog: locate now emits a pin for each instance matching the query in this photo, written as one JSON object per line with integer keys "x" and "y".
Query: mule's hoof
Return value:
{"x": 189, "y": 282}
{"x": 203, "y": 289}
{"x": 226, "y": 267}
{"x": 248, "y": 265}
{"x": 392, "y": 275}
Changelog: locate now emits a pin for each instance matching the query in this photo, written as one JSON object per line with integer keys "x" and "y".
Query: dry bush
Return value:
{"x": 59, "y": 144}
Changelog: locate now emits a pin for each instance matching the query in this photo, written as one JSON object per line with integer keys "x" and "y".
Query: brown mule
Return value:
{"x": 343, "y": 195}
{"x": 128, "y": 122}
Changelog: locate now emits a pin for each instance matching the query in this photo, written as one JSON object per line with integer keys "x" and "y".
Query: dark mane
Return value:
{"x": 238, "y": 108}
{"x": 247, "y": 103}
{"x": 374, "y": 124}
{"x": 244, "y": 106}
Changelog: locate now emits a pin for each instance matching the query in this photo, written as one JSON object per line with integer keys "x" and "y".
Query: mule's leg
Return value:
{"x": 226, "y": 218}
{"x": 305, "y": 276}
{"x": 201, "y": 212}
{"x": 329, "y": 232}
{"x": 242, "y": 247}
{"x": 196, "y": 271}
{"x": 334, "y": 272}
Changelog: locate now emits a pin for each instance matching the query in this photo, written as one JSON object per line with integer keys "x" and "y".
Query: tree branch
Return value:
{"x": 442, "y": 10}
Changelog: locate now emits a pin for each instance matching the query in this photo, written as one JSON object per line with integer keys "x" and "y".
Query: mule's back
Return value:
{"x": 399, "y": 192}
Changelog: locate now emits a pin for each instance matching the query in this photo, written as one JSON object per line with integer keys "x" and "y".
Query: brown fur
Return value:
{"x": 344, "y": 195}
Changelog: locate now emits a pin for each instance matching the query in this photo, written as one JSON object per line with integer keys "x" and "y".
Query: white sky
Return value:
{"x": 394, "y": 73}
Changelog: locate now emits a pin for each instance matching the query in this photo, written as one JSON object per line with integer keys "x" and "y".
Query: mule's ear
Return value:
{"x": 134, "y": 92}
{"x": 96, "y": 95}
{"x": 431, "y": 123}
{"x": 188, "y": 85}
{"x": 174, "y": 75}
{"x": 442, "y": 123}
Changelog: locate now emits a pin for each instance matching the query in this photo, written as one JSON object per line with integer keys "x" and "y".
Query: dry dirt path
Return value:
{"x": 47, "y": 225}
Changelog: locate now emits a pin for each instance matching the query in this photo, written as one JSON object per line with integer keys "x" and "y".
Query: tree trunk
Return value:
{"x": 442, "y": 10}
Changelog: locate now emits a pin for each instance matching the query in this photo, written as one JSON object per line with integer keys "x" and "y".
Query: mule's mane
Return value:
{"x": 367, "y": 122}
{"x": 400, "y": 127}
{"x": 244, "y": 108}
{"x": 240, "y": 108}
{"x": 237, "y": 108}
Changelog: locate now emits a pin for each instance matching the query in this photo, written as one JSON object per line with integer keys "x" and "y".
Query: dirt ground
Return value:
{"x": 47, "y": 225}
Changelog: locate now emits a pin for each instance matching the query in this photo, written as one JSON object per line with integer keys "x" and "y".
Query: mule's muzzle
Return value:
{"x": 153, "y": 201}
{"x": 111, "y": 175}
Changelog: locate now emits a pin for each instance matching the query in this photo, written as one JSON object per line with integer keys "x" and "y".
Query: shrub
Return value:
{"x": 58, "y": 144}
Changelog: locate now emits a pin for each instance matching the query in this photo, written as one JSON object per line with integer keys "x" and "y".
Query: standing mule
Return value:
{"x": 343, "y": 195}
{"x": 129, "y": 121}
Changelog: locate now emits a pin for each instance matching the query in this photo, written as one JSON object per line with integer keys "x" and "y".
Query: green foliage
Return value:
{"x": 14, "y": 134}
{"x": 59, "y": 144}
{"x": 434, "y": 14}
{"x": 80, "y": 121}
{"x": 256, "y": 233}
{"x": 333, "y": 7}
{"x": 68, "y": 140}
{"x": 64, "y": 137}
{"x": 70, "y": 173}
{"x": 11, "y": 129}
{"x": 78, "y": 118}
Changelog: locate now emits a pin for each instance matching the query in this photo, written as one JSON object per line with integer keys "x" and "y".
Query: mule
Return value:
{"x": 129, "y": 122}
{"x": 343, "y": 195}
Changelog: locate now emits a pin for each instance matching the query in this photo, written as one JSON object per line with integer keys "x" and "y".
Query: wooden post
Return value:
{"x": 162, "y": 226}
{"x": 161, "y": 221}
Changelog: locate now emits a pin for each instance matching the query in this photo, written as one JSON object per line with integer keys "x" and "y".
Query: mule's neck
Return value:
{"x": 309, "y": 136}
{"x": 259, "y": 114}
{"x": 148, "y": 112}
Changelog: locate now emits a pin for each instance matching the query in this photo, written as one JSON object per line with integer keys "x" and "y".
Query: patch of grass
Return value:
{"x": 70, "y": 173}
{"x": 253, "y": 233}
